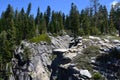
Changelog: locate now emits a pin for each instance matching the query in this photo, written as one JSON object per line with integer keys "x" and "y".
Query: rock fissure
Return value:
{"x": 40, "y": 66}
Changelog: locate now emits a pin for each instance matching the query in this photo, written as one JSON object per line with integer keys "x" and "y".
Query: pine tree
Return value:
{"x": 60, "y": 23}
{"x": 43, "y": 25}
{"x": 17, "y": 26}
{"x": 31, "y": 27}
{"x": 63, "y": 17}
{"x": 85, "y": 21}
{"x": 37, "y": 22}
{"x": 9, "y": 12}
{"x": 8, "y": 36}
{"x": 112, "y": 21}
{"x": 53, "y": 23}
{"x": 118, "y": 18}
{"x": 8, "y": 16}
{"x": 67, "y": 22}
{"x": 37, "y": 19}
{"x": 11, "y": 31}
{"x": 29, "y": 9}
{"x": 103, "y": 20}
{"x": 47, "y": 17}
{"x": 95, "y": 6}
{"x": 3, "y": 40}
{"x": 105, "y": 13}
{"x": 74, "y": 20}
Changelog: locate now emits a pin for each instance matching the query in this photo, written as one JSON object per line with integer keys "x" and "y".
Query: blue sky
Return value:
{"x": 57, "y": 5}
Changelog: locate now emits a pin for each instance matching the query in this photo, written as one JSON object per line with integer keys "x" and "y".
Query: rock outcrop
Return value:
{"x": 38, "y": 62}
{"x": 37, "y": 67}
{"x": 63, "y": 69}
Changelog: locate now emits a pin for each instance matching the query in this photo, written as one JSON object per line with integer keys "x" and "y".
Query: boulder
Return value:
{"x": 116, "y": 41}
{"x": 86, "y": 73}
{"x": 59, "y": 51}
{"x": 106, "y": 41}
{"x": 92, "y": 37}
{"x": 80, "y": 38}
{"x": 70, "y": 55}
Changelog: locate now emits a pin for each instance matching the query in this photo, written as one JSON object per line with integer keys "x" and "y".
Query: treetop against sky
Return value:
{"x": 57, "y": 5}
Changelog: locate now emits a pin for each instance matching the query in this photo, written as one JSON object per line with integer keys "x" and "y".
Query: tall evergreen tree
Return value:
{"x": 105, "y": 13}
{"x": 67, "y": 22}
{"x": 29, "y": 9}
{"x": 95, "y": 6}
{"x": 37, "y": 21}
{"x": 47, "y": 17}
{"x": 31, "y": 27}
{"x": 103, "y": 19}
{"x": 17, "y": 26}
{"x": 8, "y": 16}
{"x": 9, "y": 12}
{"x": 112, "y": 21}
{"x": 63, "y": 17}
{"x": 85, "y": 22}
{"x": 60, "y": 22}
{"x": 74, "y": 20}
{"x": 118, "y": 18}
{"x": 8, "y": 35}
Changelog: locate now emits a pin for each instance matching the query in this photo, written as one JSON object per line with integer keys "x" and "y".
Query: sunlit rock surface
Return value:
{"x": 40, "y": 65}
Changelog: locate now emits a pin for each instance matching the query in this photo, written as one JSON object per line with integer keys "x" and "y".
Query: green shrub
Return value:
{"x": 94, "y": 31}
{"x": 97, "y": 76}
{"x": 27, "y": 54}
{"x": 1, "y": 79}
{"x": 83, "y": 60}
{"x": 42, "y": 37}
{"x": 91, "y": 50}
{"x": 81, "y": 32}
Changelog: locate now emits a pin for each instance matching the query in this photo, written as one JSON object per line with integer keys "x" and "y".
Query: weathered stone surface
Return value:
{"x": 59, "y": 51}
{"x": 86, "y": 73}
{"x": 40, "y": 58}
{"x": 116, "y": 41}
{"x": 92, "y": 37}
{"x": 41, "y": 66}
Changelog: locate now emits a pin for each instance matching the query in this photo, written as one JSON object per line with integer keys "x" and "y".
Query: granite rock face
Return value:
{"x": 39, "y": 64}
{"x": 63, "y": 69}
